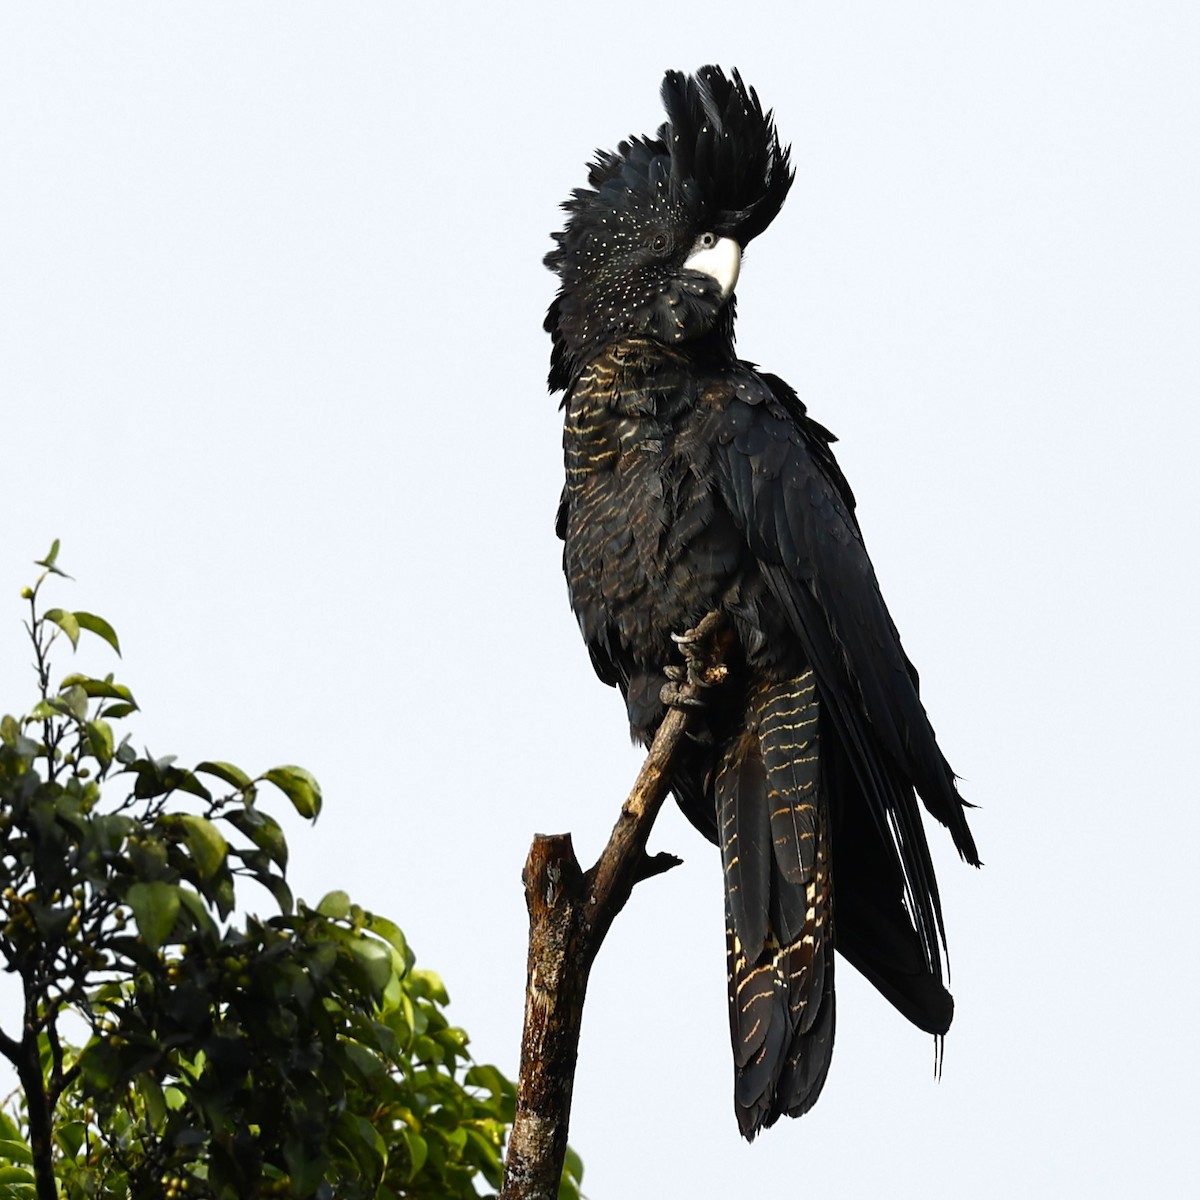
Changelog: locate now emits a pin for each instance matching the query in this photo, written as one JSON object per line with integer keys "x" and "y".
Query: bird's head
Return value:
{"x": 652, "y": 247}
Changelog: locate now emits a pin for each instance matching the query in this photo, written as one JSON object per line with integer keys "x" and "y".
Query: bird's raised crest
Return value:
{"x": 716, "y": 166}
{"x": 717, "y": 161}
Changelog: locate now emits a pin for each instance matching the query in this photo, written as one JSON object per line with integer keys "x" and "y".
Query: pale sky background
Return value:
{"x": 272, "y": 367}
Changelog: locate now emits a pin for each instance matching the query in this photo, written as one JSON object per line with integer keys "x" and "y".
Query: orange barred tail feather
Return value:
{"x": 774, "y": 825}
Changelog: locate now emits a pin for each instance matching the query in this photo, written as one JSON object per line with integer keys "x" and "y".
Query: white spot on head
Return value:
{"x": 721, "y": 261}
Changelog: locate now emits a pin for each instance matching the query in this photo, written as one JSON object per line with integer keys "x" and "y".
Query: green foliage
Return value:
{"x": 301, "y": 1054}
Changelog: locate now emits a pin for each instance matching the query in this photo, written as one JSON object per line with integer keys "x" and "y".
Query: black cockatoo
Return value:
{"x": 695, "y": 483}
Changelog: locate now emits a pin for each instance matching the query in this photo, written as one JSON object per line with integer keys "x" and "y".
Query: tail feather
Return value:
{"x": 774, "y": 826}
{"x": 808, "y": 1063}
{"x": 746, "y": 844}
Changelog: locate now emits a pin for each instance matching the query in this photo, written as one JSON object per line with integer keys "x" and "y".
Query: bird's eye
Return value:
{"x": 706, "y": 241}
{"x": 659, "y": 243}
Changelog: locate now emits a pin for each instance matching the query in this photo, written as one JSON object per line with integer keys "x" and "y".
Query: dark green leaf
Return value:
{"x": 300, "y": 788}
{"x": 152, "y": 1096}
{"x": 263, "y": 831}
{"x": 484, "y": 1075}
{"x": 185, "y": 781}
{"x": 278, "y": 888}
{"x": 198, "y": 911}
{"x": 418, "y": 1149}
{"x": 100, "y": 627}
{"x": 362, "y": 1141}
{"x": 51, "y": 920}
{"x": 303, "y": 1166}
{"x": 100, "y": 1064}
{"x": 487, "y": 1155}
{"x": 366, "y": 1064}
{"x": 155, "y": 907}
{"x": 156, "y": 777}
{"x": 375, "y": 959}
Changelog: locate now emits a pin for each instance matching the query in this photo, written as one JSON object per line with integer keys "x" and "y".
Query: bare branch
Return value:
{"x": 569, "y": 915}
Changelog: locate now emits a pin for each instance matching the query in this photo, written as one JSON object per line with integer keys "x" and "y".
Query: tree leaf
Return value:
{"x": 222, "y": 895}
{"x": 155, "y": 907}
{"x": 300, "y": 788}
{"x": 486, "y": 1155}
{"x": 100, "y": 741}
{"x": 70, "y": 1135}
{"x": 418, "y": 1149}
{"x": 375, "y": 959}
{"x": 49, "y": 560}
{"x": 230, "y": 774}
{"x": 208, "y": 848}
{"x": 573, "y": 1165}
{"x": 198, "y": 911}
{"x": 152, "y": 1096}
{"x": 185, "y": 781}
{"x": 75, "y": 698}
{"x": 158, "y": 776}
{"x": 100, "y": 1064}
{"x": 277, "y": 886}
{"x": 15, "y": 1152}
{"x": 100, "y": 687}
{"x": 364, "y": 1144}
{"x": 264, "y": 831}
{"x": 66, "y": 622}
{"x": 393, "y": 935}
{"x": 335, "y": 905}
{"x": 100, "y": 627}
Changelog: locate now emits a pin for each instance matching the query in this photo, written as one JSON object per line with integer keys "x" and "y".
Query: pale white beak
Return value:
{"x": 721, "y": 261}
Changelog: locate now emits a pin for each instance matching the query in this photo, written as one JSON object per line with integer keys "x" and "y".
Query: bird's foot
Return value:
{"x": 703, "y": 665}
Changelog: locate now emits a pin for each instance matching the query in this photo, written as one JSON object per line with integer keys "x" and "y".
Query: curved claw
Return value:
{"x": 674, "y": 696}
{"x": 702, "y": 665}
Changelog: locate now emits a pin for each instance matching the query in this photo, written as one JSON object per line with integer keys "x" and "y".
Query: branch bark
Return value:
{"x": 37, "y": 1105}
{"x": 570, "y": 912}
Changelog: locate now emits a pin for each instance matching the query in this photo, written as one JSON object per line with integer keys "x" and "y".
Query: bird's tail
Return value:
{"x": 774, "y": 827}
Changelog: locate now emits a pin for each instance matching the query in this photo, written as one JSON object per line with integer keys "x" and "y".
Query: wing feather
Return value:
{"x": 777, "y": 474}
